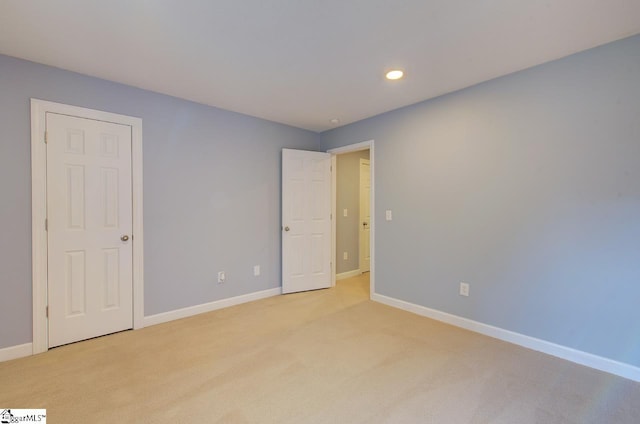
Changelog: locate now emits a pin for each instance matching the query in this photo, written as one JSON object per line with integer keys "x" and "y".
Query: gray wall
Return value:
{"x": 348, "y": 197}
{"x": 211, "y": 191}
{"x": 528, "y": 188}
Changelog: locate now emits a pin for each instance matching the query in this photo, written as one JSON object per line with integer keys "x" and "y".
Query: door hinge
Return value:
{"x": 47, "y": 311}
{"x": 46, "y": 137}
{"x": 46, "y": 225}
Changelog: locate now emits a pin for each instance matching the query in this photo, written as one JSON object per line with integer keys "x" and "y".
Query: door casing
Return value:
{"x": 39, "y": 109}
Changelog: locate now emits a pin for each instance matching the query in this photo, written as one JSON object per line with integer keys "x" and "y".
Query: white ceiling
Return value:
{"x": 301, "y": 62}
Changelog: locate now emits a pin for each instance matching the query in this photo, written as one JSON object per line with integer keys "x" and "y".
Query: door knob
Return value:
{"x": 124, "y": 238}
{"x": 286, "y": 228}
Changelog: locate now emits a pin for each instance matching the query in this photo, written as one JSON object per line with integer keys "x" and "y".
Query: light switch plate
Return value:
{"x": 345, "y": 212}
{"x": 388, "y": 215}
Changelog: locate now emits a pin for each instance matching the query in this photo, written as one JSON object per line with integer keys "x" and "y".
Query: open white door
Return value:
{"x": 306, "y": 220}
{"x": 365, "y": 216}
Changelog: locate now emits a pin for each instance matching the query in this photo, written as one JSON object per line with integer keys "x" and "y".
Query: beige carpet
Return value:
{"x": 329, "y": 356}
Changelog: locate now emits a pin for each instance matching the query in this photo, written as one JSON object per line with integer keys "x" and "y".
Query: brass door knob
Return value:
{"x": 124, "y": 238}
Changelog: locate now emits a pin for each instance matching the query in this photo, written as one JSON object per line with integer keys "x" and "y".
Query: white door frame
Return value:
{"x": 334, "y": 153}
{"x": 39, "y": 109}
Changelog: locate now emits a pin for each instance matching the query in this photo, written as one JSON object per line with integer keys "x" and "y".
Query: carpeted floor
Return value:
{"x": 329, "y": 356}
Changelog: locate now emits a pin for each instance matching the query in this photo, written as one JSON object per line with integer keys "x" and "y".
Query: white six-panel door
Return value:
{"x": 306, "y": 220}
{"x": 89, "y": 212}
{"x": 365, "y": 216}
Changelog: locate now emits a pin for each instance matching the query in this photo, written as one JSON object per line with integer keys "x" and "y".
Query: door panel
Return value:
{"x": 111, "y": 278}
{"x": 76, "y": 283}
{"x": 89, "y": 208}
{"x": 306, "y": 220}
{"x": 365, "y": 215}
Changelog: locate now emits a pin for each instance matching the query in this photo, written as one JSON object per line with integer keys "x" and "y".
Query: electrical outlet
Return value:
{"x": 256, "y": 270}
{"x": 345, "y": 212}
{"x": 388, "y": 215}
{"x": 221, "y": 277}
{"x": 464, "y": 289}
{"x": 345, "y": 256}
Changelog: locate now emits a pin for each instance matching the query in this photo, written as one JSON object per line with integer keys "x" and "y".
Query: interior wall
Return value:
{"x": 527, "y": 187}
{"x": 211, "y": 191}
{"x": 348, "y": 197}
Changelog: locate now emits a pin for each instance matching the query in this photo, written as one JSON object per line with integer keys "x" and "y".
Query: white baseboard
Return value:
{"x": 15, "y": 352}
{"x": 348, "y": 274}
{"x": 208, "y": 307}
{"x": 577, "y": 356}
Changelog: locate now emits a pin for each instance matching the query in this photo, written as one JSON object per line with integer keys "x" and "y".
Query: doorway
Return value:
{"x": 353, "y": 233}
{"x": 96, "y": 153}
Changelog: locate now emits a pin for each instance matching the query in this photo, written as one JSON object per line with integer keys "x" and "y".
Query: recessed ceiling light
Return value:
{"x": 394, "y": 74}
{"x": 335, "y": 121}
